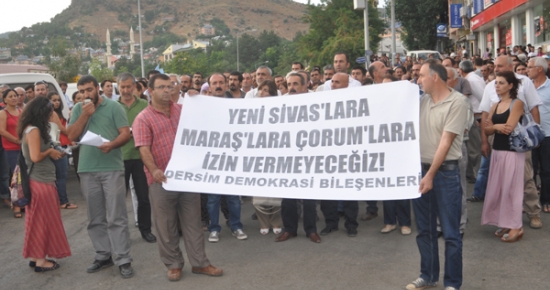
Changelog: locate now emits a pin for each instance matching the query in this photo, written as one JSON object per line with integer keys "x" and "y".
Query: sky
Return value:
{"x": 20, "y": 13}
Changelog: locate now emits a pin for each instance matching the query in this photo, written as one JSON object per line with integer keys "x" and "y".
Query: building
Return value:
{"x": 208, "y": 30}
{"x": 5, "y": 54}
{"x": 23, "y": 68}
{"x": 171, "y": 51}
{"x": 493, "y": 24}
{"x": 199, "y": 43}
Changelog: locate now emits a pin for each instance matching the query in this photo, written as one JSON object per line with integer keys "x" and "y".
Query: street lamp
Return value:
{"x": 240, "y": 33}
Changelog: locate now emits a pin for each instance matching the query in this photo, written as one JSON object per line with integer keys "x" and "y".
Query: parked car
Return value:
{"x": 25, "y": 79}
{"x": 423, "y": 54}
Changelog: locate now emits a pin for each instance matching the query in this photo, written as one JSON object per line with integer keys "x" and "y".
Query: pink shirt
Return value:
{"x": 155, "y": 129}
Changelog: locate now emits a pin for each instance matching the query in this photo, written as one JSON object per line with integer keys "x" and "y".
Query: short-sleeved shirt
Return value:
{"x": 108, "y": 117}
{"x": 463, "y": 87}
{"x": 129, "y": 150}
{"x": 155, "y": 129}
{"x": 477, "y": 85}
{"x": 526, "y": 93}
{"x": 544, "y": 109}
{"x": 449, "y": 115}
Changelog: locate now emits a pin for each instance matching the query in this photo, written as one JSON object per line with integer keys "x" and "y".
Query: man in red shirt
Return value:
{"x": 154, "y": 132}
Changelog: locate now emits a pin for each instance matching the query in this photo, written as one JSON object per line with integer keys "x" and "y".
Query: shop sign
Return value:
{"x": 456, "y": 20}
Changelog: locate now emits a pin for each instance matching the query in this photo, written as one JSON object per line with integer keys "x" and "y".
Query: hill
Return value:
{"x": 184, "y": 18}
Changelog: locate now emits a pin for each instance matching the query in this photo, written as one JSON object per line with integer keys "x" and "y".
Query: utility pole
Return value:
{"x": 140, "y": 41}
{"x": 393, "y": 33}
{"x": 367, "y": 44}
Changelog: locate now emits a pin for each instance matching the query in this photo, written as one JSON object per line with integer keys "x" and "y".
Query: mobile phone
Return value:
{"x": 87, "y": 101}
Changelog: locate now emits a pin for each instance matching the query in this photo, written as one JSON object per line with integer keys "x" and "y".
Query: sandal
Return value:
{"x": 17, "y": 215}
{"x": 546, "y": 208}
{"x": 68, "y": 205}
{"x": 501, "y": 232}
{"x": 55, "y": 266}
{"x": 32, "y": 264}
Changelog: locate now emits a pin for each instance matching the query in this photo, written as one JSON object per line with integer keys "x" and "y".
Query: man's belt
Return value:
{"x": 447, "y": 165}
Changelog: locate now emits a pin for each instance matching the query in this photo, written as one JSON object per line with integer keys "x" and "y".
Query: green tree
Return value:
{"x": 66, "y": 68}
{"x": 336, "y": 26}
{"x": 419, "y": 19}
{"x": 100, "y": 71}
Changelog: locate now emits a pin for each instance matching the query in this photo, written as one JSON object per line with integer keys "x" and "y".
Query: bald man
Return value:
{"x": 377, "y": 71}
{"x": 330, "y": 207}
{"x": 340, "y": 81}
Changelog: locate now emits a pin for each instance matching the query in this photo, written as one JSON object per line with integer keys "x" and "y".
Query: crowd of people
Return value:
{"x": 468, "y": 108}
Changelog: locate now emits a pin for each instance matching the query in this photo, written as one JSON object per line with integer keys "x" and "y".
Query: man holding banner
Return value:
{"x": 154, "y": 133}
{"x": 443, "y": 114}
{"x": 289, "y": 207}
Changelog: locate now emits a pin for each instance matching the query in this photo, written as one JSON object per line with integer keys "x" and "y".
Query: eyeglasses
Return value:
{"x": 40, "y": 83}
{"x": 163, "y": 87}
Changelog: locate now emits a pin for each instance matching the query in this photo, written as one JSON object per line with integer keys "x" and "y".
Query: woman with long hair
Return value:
{"x": 44, "y": 232}
{"x": 61, "y": 165}
{"x": 504, "y": 195}
{"x": 9, "y": 117}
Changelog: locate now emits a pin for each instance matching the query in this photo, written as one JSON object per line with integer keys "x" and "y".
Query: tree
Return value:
{"x": 100, "y": 71}
{"x": 419, "y": 19}
{"x": 336, "y": 26}
{"x": 66, "y": 68}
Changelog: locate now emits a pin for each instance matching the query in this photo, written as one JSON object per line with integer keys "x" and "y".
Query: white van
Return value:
{"x": 25, "y": 79}
{"x": 423, "y": 54}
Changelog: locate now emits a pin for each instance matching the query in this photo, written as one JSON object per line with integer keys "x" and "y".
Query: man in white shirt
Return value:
{"x": 341, "y": 65}
{"x": 477, "y": 86}
{"x": 262, "y": 73}
{"x": 108, "y": 90}
{"x": 527, "y": 94}
{"x": 377, "y": 71}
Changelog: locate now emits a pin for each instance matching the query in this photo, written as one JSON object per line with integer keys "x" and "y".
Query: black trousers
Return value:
{"x": 330, "y": 211}
{"x": 134, "y": 168}
{"x": 289, "y": 212}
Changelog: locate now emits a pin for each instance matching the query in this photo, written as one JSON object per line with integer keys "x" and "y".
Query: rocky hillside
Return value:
{"x": 184, "y": 17}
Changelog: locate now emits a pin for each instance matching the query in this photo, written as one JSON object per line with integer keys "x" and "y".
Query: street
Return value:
{"x": 369, "y": 261}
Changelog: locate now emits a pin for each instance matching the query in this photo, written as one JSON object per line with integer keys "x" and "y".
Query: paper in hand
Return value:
{"x": 92, "y": 139}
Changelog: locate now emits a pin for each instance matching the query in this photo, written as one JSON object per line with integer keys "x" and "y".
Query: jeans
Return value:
{"x": 444, "y": 200}
{"x": 61, "y": 168}
{"x": 482, "y": 177}
{"x": 234, "y": 205}
{"x": 11, "y": 157}
{"x": 543, "y": 156}
{"x": 400, "y": 209}
{"x": 4, "y": 176}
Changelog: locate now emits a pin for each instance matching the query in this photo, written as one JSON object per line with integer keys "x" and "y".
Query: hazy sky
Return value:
{"x": 20, "y": 13}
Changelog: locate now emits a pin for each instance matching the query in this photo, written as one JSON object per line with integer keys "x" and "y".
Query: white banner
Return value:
{"x": 350, "y": 144}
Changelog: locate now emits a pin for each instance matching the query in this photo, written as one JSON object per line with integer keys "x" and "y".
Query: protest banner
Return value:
{"x": 350, "y": 144}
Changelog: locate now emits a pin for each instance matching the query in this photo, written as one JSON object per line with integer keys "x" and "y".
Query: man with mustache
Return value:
{"x": 289, "y": 207}
{"x": 218, "y": 86}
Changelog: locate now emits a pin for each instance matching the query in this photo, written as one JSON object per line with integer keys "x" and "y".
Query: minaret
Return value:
{"x": 131, "y": 43}
{"x": 108, "y": 54}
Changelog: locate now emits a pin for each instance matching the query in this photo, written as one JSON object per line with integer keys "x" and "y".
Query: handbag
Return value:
{"x": 527, "y": 134}
{"x": 20, "y": 186}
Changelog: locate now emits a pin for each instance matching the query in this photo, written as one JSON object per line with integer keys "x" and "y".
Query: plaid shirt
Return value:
{"x": 155, "y": 129}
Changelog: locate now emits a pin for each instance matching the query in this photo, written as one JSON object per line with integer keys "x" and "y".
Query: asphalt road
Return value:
{"x": 369, "y": 261}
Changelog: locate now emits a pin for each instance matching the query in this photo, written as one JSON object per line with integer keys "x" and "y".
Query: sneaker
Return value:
{"x": 214, "y": 237}
{"x": 240, "y": 235}
{"x": 450, "y": 288}
{"x": 420, "y": 283}
{"x": 535, "y": 222}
